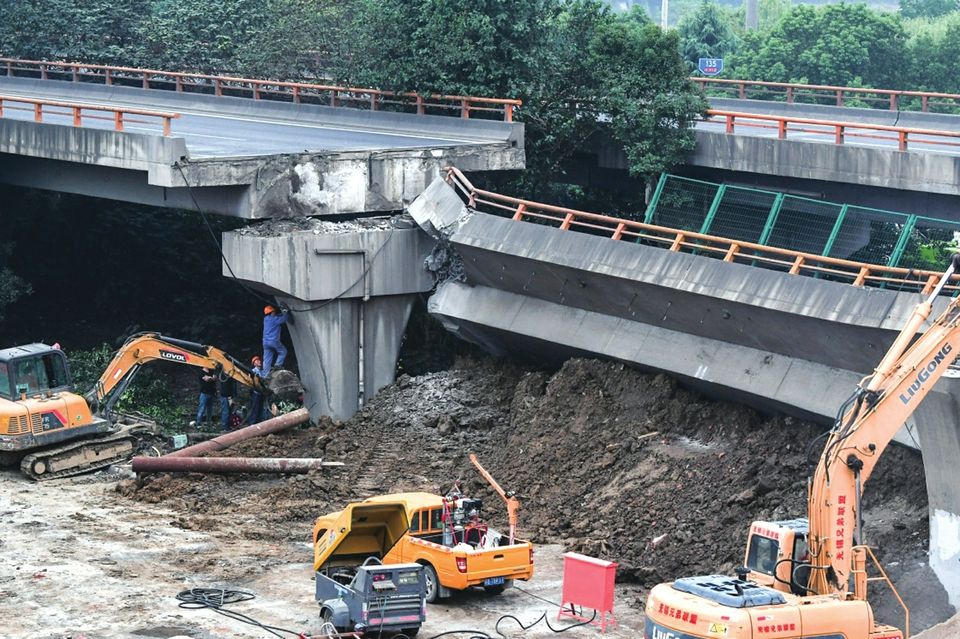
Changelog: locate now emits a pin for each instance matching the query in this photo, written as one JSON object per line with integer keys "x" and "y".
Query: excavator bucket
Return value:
{"x": 284, "y": 385}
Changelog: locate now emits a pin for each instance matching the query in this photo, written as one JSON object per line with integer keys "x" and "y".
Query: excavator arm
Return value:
{"x": 150, "y": 347}
{"x": 867, "y": 422}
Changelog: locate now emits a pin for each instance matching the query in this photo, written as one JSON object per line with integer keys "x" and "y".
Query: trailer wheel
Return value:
{"x": 410, "y": 632}
{"x": 326, "y": 616}
{"x": 433, "y": 583}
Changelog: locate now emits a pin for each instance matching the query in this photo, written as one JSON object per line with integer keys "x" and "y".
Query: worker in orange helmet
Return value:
{"x": 255, "y": 416}
{"x": 273, "y": 349}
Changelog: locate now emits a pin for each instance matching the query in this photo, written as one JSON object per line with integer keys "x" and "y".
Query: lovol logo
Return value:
{"x": 174, "y": 356}
{"x": 925, "y": 373}
{"x": 653, "y": 630}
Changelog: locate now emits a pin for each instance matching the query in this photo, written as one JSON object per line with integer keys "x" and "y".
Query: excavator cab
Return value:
{"x": 777, "y": 555}
{"x": 32, "y": 370}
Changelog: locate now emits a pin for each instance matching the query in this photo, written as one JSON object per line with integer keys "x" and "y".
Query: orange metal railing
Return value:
{"x": 886, "y": 98}
{"x": 296, "y": 92}
{"x": 729, "y": 250}
{"x": 839, "y": 130}
{"x": 78, "y": 111}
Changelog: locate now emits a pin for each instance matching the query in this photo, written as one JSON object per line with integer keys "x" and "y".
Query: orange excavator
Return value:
{"x": 54, "y": 432}
{"x": 807, "y": 578}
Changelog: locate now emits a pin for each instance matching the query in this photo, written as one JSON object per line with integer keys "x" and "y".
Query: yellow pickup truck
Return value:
{"x": 455, "y": 547}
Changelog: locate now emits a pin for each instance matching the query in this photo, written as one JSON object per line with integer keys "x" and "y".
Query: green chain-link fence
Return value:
{"x": 786, "y": 221}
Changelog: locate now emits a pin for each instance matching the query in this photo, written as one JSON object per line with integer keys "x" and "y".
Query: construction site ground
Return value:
{"x": 607, "y": 461}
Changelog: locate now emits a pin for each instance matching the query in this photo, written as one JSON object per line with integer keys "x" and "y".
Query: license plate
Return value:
{"x": 493, "y": 581}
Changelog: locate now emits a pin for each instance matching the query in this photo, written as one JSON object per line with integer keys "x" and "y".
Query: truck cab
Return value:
{"x": 777, "y": 555}
{"x": 356, "y": 589}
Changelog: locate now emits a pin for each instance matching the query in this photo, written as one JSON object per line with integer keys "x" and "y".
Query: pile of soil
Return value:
{"x": 606, "y": 460}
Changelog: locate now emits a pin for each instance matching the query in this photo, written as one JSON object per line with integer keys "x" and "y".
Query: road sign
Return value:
{"x": 710, "y": 66}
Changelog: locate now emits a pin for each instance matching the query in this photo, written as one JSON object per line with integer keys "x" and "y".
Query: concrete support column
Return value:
{"x": 938, "y": 429}
{"x": 347, "y": 349}
{"x": 352, "y": 285}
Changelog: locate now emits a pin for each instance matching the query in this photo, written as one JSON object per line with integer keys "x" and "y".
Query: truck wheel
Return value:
{"x": 410, "y": 632}
{"x": 326, "y": 616}
{"x": 433, "y": 583}
{"x": 495, "y": 590}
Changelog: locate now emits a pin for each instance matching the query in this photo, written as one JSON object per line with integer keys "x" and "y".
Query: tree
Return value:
{"x": 706, "y": 33}
{"x": 12, "y": 287}
{"x": 841, "y": 44}
{"x": 578, "y": 67}
{"x": 927, "y": 8}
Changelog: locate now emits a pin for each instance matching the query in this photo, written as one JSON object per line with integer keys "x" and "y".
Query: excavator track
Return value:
{"x": 78, "y": 457}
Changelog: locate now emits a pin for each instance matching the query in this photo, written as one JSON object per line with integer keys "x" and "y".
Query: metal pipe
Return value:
{"x": 274, "y": 425}
{"x": 225, "y": 465}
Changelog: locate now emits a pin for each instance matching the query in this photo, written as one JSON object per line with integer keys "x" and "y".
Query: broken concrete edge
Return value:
{"x": 439, "y": 210}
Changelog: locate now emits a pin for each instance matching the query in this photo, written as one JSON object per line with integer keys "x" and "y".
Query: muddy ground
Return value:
{"x": 608, "y": 461}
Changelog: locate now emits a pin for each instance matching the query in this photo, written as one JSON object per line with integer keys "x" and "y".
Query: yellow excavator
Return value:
{"x": 54, "y": 432}
{"x": 807, "y": 578}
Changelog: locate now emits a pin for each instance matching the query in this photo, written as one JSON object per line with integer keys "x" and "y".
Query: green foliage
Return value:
{"x": 934, "y": 49}
{"x": 706, "y": 33}
{"x": 12, "y": 287}
{"x": 842, "y": 44}
{"x": 149, "y": 393}
{"x": 927, "y": 8}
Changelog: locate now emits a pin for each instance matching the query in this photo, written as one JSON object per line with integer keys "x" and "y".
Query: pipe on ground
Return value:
{"x": 222, "y": 442}
{"x": 224, "y": 465}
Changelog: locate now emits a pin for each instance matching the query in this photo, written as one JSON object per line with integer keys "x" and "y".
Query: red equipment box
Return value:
{"x": 588, "y": 583}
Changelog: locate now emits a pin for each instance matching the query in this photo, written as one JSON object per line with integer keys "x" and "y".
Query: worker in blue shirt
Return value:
{"x": 273, "y": 349}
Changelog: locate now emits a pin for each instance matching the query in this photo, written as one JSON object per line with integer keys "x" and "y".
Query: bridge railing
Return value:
{"x": 785, "y": 260}
{"x": 45, "y": 110}
{"x": 792, "y": 93}
{"x": 839, "y": 131}
{"x": 295, "y": 92}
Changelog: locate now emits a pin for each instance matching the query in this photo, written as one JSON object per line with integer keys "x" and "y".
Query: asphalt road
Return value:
{"x": 218, "y": 135}
{"x": 825, "y": 134}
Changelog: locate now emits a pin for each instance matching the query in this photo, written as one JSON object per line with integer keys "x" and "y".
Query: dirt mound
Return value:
{"x": 607, "y": 461}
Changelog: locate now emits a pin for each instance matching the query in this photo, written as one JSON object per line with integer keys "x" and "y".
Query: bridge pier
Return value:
{"x": 350, "y": 286}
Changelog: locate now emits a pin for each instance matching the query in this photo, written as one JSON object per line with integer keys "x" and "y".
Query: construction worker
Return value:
{"x": 208, "y": 391}
{"x": 255, "y": 416}
{"x": 228, "y": 390}
{"x": 273, "y": 349}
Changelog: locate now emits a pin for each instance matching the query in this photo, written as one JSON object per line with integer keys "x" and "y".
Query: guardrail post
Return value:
{"x": 835, "y": 231}
{"x": 782, "y": 129}
{"x": 296, "y": 95}
{"x": 797, "y": 263}
{"x": 255, "y": 87}
{"x": 38, "y": 112}
{"x": 618, "y": 232}
{"x": 655, "y": 199}
{"x": 374, "y": 106}
{"x": 118, "y": 120}
{"x": 75, "y": 73}
{"x": 76, "y": 116}
{"x": 861, "y": 276}
{"x": 166, "y": 126}
{"x": 508, "y": 113}
{"x": 930, "y": 285}
{"x": 902, "y": 140}
{"x": 420, "y": 108}
{"x": 179, "y": 83}
{"x": 902, "y": 241}
{"x": 742, "y": 90}
{"x": 924, "y": 103}
{"x": 565, "y": 225}
{"x": 1, "y": 108}
{"x": 334, "y": 98}
{"x": 839, "y": 97}
{"x": 108, "y": 77}
{"x": 678, "y": 242}
{"x": 10, "y": 69}
{"x": 714, "y": 207}
{"x": 838, "y": 134}
{"x": 146, "y": 80}
{"x": 893, "y": 102}
{"x": 217, "y": 87}
{"x": 729, "y": 124}
{"x": 43, "y": 72}
{"x": 464, "y": 108}
{"x": 731, "y": 252}
{"x": 789, "y": 95}
{"x": 518, "y": 216}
